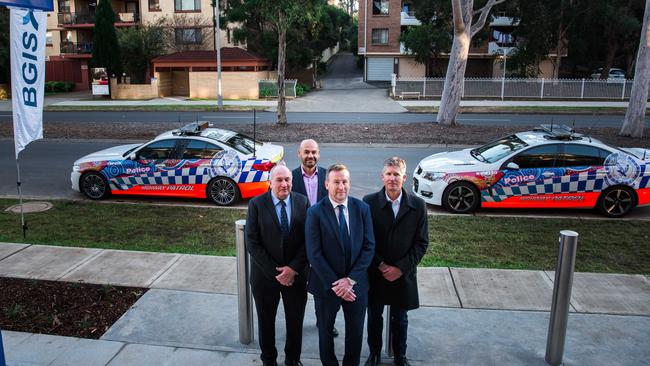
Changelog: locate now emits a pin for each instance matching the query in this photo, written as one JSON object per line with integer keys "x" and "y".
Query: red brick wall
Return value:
{"x": 390, "y": 21}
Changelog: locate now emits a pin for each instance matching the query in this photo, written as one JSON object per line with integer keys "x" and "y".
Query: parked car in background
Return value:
{"x": 549, "y": 167}
{"x": 614, "y": 74}
{"x": 196, "y": 161}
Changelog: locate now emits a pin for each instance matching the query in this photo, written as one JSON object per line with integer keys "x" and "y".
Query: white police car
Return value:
{"x": 549, "y": 167}
{"x": 196, "y": 161}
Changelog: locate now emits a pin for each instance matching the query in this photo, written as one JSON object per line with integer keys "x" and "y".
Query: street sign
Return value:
{"x": 47, "y": 5}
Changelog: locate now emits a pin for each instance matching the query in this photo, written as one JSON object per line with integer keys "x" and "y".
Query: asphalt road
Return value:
{"x": 492, "y": 119}
{"x": 46, "y": 165}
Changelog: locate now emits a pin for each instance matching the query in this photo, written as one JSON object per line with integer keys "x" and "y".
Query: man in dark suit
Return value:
{"x": 340, "y": 246}
{"x": 275, "y": 239}
{"x": 402, "y": 236}
{"x": 309, "y": 178}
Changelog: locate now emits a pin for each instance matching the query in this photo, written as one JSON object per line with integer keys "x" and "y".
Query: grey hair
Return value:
{"x": 397, "y": 162}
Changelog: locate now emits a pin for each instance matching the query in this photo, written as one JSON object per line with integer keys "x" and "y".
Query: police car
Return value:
{"x": 549, "y": 167}
{"x": 197, "y": 161}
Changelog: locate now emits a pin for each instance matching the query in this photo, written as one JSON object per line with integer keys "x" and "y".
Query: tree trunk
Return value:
{"x": 455, "y": 78}
{"x": 635, "y": 116}
{"x": 282, "y": 46}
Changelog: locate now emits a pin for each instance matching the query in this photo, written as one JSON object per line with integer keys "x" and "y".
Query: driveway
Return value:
{"x": 343, "y": 90}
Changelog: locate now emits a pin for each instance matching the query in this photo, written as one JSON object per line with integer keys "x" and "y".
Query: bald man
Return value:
{"x": 275, "y": 239}
{"x": 309, "y": 178}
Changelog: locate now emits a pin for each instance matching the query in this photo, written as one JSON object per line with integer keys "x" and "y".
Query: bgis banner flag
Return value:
{"x": 27, "y": 32}
{"x": 47, "y": 5}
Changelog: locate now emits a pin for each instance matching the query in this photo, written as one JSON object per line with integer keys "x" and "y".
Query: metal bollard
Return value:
{"x": 561, "y": 297}
{"x": 245, "y": 300}
{"x": 389, "y": 336}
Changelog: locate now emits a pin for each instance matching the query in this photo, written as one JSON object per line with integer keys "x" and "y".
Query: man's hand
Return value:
{"x": 286, "y": 276}
{"x": 343, "y": 289}
{"x": 390, "y": 273}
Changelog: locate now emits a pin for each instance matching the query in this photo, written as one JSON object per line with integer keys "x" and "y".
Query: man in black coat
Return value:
{"x": 402, "y": 237}
{"x": 275, "y": 239}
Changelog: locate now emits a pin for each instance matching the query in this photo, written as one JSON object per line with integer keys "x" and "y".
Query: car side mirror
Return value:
{"x": 132, "y": 156}
{"x": 512, "y": 165}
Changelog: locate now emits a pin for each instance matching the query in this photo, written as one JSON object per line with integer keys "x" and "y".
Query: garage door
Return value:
{"x": 380, "y": 69}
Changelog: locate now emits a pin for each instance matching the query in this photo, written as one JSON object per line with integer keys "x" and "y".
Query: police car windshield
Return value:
{"x": 497, "y": 150}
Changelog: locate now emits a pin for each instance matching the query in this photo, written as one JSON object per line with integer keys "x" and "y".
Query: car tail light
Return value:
{"x": 265, "y": 167}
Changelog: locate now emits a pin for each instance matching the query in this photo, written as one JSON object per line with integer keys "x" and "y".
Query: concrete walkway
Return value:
{"x": 189, "y": 314}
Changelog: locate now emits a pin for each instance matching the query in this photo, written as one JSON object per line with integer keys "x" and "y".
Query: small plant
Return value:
{"x": 85, "y": 322}
{"x": 13, "y": 311}
{"x": 58, "y": 86}
{"x": 266, "y": 91}
{"x": 107, "y": 289}
{"x": 302, "y": 89}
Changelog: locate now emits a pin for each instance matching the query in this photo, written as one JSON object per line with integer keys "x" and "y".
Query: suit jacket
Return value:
{"x": 325, "y": 251}
{"x": 298, "y": 183}
{"x": 401, "y": 241}
{"x": 264, "y": 239}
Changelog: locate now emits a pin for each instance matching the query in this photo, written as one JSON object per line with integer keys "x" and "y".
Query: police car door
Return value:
{"x": 529, "y": 181}
{"x": 581, "y": 169}
{"x": 159, "y": 159}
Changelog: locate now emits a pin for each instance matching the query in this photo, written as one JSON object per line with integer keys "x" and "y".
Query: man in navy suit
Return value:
{"x": 275, "y": 239}
{"x": 340, "y": 245}
{"x": 309, "y": 178}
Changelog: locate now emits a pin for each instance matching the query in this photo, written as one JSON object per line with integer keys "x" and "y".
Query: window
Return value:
{"x": 64, "y": 6}
{"x": 154, "y": 5}
{"x": 380, "y": 36}
{"x": 188, "y": 36}
{"x": 200, "y": 150}
{"x": 537, "y": 157}
{"x": 380, "y": 7}
{"x": 159, "y": 150}
{"x": 499, "y": 149}
{"x": 48, "y": 38}
{"x": 582, "y": 155}
{"x": 187, "y": 5}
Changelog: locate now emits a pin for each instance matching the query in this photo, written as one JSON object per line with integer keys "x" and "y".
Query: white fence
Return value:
{"x": 517, "y": 88}
{"x": 269, "y": 88}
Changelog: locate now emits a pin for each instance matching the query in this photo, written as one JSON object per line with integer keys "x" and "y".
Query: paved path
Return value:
{"x": 188, "y": 315}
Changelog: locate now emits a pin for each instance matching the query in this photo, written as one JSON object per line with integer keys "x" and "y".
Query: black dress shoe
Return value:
{"x": 292, "y": 363}
{"x": 335, "y": 332}
{"x": 373, "y": 360}
{"x": 403, "y": 361}
{"x": 269, "y": 363}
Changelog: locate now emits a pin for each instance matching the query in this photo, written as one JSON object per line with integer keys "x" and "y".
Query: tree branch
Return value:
{"x": 484, "y": 12}
{"x": 459, "y": 24}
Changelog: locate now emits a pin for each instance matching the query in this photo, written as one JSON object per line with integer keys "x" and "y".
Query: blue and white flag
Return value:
{"x": 27, "y": 38}
{"x": 47, "y": 5}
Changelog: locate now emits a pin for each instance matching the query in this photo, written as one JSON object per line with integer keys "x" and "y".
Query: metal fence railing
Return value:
{"x": 269, "y": 88}
{"x": 617, "y": 89}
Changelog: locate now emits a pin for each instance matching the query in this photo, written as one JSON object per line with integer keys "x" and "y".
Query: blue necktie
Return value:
{"x": 284, "y": 220}
{"x": 345, "y": 236}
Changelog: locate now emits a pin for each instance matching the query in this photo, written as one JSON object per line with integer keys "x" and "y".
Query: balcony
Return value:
{"x": 408, "y": 18}
{"x": 501, "y": 20}
{"x": 496, "y": 48}
{"x": 81, "y": 49}
{"x": 87, "y": 20}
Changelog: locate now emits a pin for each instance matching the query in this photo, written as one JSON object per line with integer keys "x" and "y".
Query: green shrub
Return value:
{"x": 302, "y": 89}
{"x": 266, "y": 91}
{"x": 58, "y": 86}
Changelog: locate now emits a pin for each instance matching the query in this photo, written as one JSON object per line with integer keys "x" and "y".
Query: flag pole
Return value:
{"x": 20, "y": 196}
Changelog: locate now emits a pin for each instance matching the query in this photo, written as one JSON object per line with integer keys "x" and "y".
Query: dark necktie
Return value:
{"x": 284, "y": 220}
{"x": 345, "y": 236}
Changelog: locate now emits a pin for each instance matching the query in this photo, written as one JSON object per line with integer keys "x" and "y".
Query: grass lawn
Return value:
{"x": 152, "y": 108}
{"x": 528, "y": 109}
{"x": 618, "y": 246}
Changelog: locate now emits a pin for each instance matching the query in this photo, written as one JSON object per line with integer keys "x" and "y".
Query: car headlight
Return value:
{"x": 75, "y": 168}
{"x": 433, "y": 176}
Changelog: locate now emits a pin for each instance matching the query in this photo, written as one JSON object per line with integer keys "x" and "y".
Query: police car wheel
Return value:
{"x": 616, "y": 201}
{"x": 223, "y": 191}
{"x": 94, "y": 186}
{"x": 461, "y": 197}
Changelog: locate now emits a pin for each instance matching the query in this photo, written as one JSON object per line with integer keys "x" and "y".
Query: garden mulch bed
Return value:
{"x": 63, "y": 308}
{"x": 395, "y": 133}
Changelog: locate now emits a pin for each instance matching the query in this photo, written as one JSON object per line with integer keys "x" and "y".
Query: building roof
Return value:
{"x": 230, "y": 56}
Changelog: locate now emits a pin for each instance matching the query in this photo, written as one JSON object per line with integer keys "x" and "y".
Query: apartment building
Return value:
{"x": 70, "y": 31}
{"x": 382, "y": 21}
